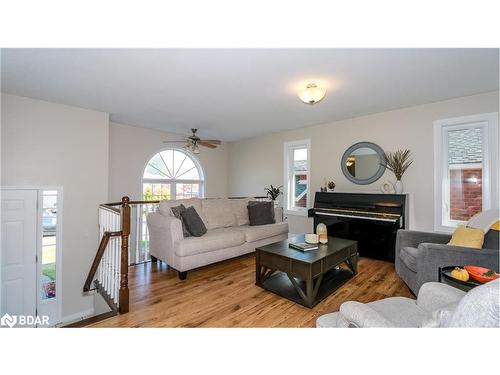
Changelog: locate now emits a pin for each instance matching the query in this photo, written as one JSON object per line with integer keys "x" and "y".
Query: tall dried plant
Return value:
{"x": 398, "y": 162}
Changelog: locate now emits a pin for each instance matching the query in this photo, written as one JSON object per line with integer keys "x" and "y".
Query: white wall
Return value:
{"x": 130, "y": 148}
{"x": 257, "y": 162}
{"x": 48, "y": 144}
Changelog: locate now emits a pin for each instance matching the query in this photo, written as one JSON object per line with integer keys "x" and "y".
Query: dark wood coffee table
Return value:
{"x": 305, "y": 277}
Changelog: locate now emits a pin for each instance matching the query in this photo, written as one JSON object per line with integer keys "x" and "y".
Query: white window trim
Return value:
{"x": 305, "y": 143}
{"x": 489, "y": 122}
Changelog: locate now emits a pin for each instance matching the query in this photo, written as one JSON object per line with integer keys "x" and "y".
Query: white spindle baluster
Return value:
{"x": 115, "y": 256}
{"x": 104, "y": 259}
{"x": 117, "y": 269}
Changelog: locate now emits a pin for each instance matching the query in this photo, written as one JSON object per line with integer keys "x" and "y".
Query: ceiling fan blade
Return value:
{"x": 214, "y": 141}
{"x": 174, "y": 141}
{"x": 205, "y": 144}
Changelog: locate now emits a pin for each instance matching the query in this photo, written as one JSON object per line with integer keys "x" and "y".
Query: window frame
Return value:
{"x": 173, "y": 182}
{"x": 489, "y": 124}
{"x": 288, "y": 148}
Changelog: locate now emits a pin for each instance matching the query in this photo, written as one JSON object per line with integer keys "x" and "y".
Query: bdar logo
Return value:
{"x": 8, "y": 320}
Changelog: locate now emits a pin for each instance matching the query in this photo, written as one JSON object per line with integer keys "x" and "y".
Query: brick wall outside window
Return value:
{"x": 465, "y": 194}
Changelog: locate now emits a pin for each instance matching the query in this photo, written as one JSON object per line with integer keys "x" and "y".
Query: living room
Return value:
{"x": 250, "y": 188}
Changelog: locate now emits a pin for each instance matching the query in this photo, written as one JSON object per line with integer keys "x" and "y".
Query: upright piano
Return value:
{"x": 371, "y": 219}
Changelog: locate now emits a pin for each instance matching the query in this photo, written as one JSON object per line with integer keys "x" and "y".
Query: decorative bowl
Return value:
{"x": 478, "y": 273}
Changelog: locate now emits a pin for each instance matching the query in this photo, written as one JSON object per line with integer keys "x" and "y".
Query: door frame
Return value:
{"x": 59, "y": 243}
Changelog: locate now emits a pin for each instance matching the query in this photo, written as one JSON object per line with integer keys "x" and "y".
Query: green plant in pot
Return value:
{"x": 273, "y": 192}
{"x": 398, "y": 162}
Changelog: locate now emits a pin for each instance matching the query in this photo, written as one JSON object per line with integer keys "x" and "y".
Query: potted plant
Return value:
{"x": 398, "y": 162}
{"x": 273, "y": 192}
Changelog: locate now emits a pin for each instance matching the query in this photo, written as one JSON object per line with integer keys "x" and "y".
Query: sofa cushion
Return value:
{"x": 408, "y": 256}
{"x": 193, "y": 222}
{"x": 256, "y": 233}
{"x": 401, "y": 311}
{"x": 165, "y": 206}
{"x": 261, "y": 213}
{"x": 219, "y": 213}
{"x": 214, "y": 239}
{"x": 240, "y": 210}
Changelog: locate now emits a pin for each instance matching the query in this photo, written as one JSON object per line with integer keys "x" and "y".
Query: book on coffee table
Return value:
{"x": 303, "y": 246}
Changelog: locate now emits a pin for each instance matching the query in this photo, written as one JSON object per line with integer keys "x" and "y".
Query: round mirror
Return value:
{"x": 363, "y": 163}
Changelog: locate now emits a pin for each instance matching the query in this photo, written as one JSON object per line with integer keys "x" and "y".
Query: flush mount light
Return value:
{"x": 312, "y": 94}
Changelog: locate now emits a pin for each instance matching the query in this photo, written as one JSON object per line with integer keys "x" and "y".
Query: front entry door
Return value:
{"x": 19, "y": 251}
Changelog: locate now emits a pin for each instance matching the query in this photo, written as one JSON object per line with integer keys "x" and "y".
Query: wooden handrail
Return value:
{"x": 98, "y": 256}
{"x": 112, "y": 205}
{"x": 131, "y": 203}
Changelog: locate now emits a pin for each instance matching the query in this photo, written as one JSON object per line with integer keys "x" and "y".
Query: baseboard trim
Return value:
{"x": 81, "y": 315}
{"x": 91, "y": 320}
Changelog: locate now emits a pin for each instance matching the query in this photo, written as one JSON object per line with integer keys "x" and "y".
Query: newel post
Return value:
{"x": 124, "y": 292}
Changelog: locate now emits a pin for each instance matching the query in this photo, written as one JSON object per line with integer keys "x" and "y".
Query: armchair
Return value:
{"x": 420, "y": 254}
{"x": 437, "y": 305}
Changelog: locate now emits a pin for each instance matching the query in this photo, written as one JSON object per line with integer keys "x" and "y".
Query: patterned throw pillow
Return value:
{"x": 177, "y": 212}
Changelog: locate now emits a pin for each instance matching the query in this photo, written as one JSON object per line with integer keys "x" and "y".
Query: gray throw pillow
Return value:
{"x": 177, "y": 211}
{"x": 193, "y": 222}
{"x": 260, "y": 213}
{"x": 491, "y": 240}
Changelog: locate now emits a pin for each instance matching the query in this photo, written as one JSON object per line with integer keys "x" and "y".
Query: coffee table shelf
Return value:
{"x": 281, "y": 285}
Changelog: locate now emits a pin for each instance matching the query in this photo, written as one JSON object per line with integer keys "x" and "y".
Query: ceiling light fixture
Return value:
{"x": 312, "y": 94}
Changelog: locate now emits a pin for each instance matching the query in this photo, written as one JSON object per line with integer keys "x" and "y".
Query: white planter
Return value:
{"x": 398, "y": 186}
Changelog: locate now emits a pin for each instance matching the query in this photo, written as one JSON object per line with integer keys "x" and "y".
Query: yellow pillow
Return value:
{"x": 467, "y": 237}
{"x": 496, "y": 225}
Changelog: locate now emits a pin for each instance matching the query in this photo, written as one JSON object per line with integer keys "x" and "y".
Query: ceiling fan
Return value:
{"x": 192, "y": 142}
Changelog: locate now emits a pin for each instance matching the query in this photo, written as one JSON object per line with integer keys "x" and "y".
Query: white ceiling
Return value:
{"x": 238, "y": 93}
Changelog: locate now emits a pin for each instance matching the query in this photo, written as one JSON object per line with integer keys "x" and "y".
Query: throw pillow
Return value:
{"x": 176, "y": 211}
{"x": 467, "y": 237}
{"x": 260, "y": 213}
{"x": 492, "y": 239}
{"x": 193, "y": 222}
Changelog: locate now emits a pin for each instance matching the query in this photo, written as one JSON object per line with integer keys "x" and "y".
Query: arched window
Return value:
{"x": 172, "y": 174}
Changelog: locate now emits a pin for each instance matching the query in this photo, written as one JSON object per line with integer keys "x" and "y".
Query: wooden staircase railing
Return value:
{"x": 108, "y": 274}
{"x": 109, "y": 271}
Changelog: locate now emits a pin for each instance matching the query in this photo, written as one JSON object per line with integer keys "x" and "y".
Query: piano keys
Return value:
{"x": 371, "y": 219}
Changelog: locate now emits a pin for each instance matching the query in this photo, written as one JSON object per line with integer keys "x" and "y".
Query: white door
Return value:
{"x": 19, "y": 251}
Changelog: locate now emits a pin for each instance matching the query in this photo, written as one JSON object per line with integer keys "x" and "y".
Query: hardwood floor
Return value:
{"x": 224, "y": 295}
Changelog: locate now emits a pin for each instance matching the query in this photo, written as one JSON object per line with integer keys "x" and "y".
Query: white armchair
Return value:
{"x": 437, "y": 305}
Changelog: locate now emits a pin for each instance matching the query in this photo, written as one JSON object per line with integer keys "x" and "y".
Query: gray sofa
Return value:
{"x": 228, "y": 234}
{"x": 420, "y": 254}
{"x": 437, "y": 305}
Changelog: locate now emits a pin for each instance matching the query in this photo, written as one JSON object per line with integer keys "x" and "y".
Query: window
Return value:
{"x": 49, "y": 244}
{"x": 465, "y": 165}
{"x": 49, "y": 253}
{"x": 172, "y": 174}
{"x": 297, "y": 176}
